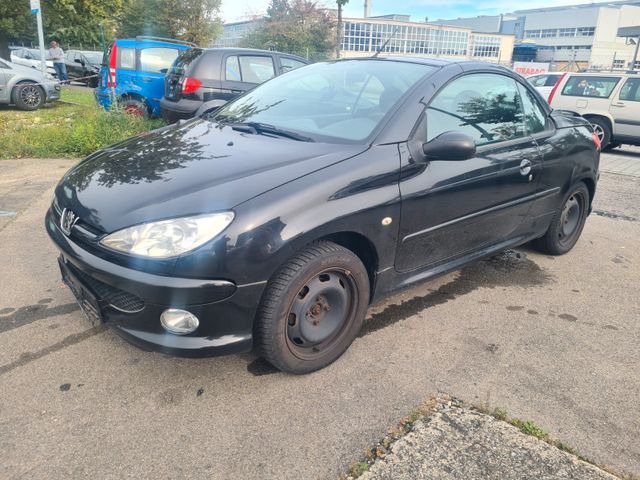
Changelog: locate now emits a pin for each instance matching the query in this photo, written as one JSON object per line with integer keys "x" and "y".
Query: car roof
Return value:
{"x": 144, "y": 43}
{"x": 467, "y": 65}
{"x": 249, "y": 50}
{"x": 603, "y": 74}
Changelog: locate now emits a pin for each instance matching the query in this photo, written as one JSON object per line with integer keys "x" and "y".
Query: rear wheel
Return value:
{"x": 27, "y": 96}
{"x": 603, "y": 130}
{"x": 134, "y": 107}
{"x": 567, "y": 223}
{"x": 312, "y": 308}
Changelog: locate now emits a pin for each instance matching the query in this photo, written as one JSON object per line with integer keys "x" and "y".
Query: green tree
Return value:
{"x": 295, "y": 26}
{"x": 194, "y": 21}
{"x": 16, "y": 23}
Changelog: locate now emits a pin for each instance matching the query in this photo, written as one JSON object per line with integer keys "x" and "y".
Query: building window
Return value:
{"x": 567, "y": 32}
{"x": 532, "y": 33}
{"x": 586, "y": 32}
{"x": 549, "y": 33}
{"x": 618, "y": 64}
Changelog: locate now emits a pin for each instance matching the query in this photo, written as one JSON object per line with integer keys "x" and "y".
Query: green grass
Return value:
{"x": 72, "y": 127}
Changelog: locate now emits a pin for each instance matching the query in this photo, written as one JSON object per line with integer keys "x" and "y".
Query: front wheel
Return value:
{"x": 28, "y": 96}
{"x": 567, "y": 223}
{"x": 312, "y": 308}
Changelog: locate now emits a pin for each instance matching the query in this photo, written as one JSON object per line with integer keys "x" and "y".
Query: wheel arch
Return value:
{"x": 362, "y": 247}
{"x": 607, "y": 118}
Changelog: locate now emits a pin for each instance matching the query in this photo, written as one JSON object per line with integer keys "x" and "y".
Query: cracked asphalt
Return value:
{"x": 550, "y": 339}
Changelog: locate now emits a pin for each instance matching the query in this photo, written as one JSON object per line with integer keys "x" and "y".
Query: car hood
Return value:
{"x": 197, "y": 167}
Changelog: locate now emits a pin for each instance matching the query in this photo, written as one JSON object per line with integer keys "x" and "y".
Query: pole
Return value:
{"x": 635, "y": 55}
{"x": 35, "y": 8}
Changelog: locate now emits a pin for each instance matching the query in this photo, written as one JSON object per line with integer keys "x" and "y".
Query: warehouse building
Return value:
{"x": 573, "y": 37}
{"x": 365, "y": 36}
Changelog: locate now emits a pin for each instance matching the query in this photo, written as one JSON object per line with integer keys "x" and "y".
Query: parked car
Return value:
{"x": 83, "y": 66}
{"x": 545, "y": 82}
{"x": 25, "y": 87}
{"x": 30, "y": 57}
{"x": 133, "y": 73}
{"x": 609, "y": 100}
{"x": 204, "y": 79}
{"x": 274, "y": 222}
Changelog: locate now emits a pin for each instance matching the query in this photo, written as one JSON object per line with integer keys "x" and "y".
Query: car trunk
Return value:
{"x": 178, "y": 72}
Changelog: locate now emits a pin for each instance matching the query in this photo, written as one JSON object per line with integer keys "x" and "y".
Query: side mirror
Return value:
{"x": 450, "y": 146}
{"x": 164, "y": 70}
{"x": 78, "y": 60}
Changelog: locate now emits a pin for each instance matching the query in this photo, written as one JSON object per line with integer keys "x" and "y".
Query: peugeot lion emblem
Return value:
{"x": 67, "y": 220}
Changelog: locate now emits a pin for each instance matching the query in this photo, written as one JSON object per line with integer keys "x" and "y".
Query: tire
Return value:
{"x": 312, "y": 309}
{"x": 603, "y": 130}
{"x": 26, "y": 96}
{"x": 134, "y": 107}
{"x": 567, "y": 224}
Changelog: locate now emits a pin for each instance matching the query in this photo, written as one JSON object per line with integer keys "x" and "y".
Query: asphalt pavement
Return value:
{"x": 551, "y": 339}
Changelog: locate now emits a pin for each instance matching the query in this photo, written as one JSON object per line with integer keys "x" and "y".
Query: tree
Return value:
{"x": 295, "y": 26}
{"x": 194, "y": 21}
{"x": 16, "y": 23}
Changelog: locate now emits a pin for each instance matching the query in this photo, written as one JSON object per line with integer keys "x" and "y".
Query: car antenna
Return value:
{"x": 393, "y": 34}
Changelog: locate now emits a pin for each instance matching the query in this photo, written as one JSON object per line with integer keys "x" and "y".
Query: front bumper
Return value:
{"x": 131, "y": 301}
{"x": 52, "y": 91}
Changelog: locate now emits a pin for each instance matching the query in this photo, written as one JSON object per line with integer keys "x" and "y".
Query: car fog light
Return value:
{"x": 178, "y": 322}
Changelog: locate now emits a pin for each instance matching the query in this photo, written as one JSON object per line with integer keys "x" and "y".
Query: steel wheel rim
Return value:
{"x": 570, "y": 218}
{"x": 321, "y": 313}
{"x": 134, "y": 110}
{"x": 30, "y": 95}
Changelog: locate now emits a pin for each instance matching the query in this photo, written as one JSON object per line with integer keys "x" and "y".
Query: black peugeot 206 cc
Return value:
{"x": 275, "y": 222}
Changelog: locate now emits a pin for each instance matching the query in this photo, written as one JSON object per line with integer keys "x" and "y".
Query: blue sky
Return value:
{"x": 233, "y": 10}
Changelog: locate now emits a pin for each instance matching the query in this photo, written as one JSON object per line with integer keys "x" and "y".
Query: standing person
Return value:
{"x": 57, "y": 56}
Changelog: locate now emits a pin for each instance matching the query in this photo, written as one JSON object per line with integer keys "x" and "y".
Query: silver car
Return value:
{"x": 26, "y": 87}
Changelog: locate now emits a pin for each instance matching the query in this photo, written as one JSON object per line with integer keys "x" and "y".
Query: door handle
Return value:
{"x": 525, "y": 167}
{"x": 147, "y": 80}
{"x": 619, "y": 105}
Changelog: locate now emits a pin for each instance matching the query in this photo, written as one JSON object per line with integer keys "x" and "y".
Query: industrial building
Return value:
{"x": 572, "y": 37}
{"x": 365, "y": 36}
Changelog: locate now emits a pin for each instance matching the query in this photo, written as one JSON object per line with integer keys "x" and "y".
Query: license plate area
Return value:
{"x": 86, "y": 300}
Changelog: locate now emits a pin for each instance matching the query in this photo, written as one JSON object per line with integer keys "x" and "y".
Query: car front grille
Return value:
{"x": 114, "y": 297}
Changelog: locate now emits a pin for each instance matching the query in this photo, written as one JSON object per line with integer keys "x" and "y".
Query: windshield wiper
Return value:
{"x": 265, "y": 128}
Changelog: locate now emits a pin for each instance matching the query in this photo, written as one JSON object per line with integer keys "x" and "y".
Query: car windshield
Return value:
{"x": 93, "y": 57}
{"x": 35, "y": 54}
{"x": 340, "y": 102}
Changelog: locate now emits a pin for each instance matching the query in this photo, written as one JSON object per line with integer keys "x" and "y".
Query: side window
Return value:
{"x": 535, "y": 117}
{"x": 232, "y": 69}
{"x": 538, "y": 81}
{"x": 590, "y": 86}
{"x": 289, "y": 64}
{"x": 157, "y": 59}
{"x": 485, "y": 106}
{"x": 127, "y": 58}
{"x": 256, "y": 69}
{"x": 631, "y": 90}
{"x": 552, "y": 80}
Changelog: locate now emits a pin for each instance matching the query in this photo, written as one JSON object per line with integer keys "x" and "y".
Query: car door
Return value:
{"x": 452, "y": 208}
{"x": 4, "y": 79}
{"x": 154, "y": 64}
{"x": 73, "y": 68}
{"x": 241, "y": 73}
{"x": 625, "y": 109}
{"x": 288, "y": 64}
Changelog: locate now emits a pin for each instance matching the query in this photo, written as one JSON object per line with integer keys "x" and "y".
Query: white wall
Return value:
{"x": 606, "y": 43}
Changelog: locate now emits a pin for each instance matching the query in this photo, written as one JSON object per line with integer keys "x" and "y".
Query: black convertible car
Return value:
{"x": 276, "y": 221}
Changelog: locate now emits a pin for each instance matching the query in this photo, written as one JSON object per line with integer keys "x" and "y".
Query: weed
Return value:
{"x": 73, "y": 129}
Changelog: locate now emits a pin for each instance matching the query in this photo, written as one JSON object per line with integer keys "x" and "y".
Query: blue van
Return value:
{"x": 133, "y": 73}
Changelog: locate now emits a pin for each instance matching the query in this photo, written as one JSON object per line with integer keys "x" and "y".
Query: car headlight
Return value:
{"x": 168, "y": 238}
